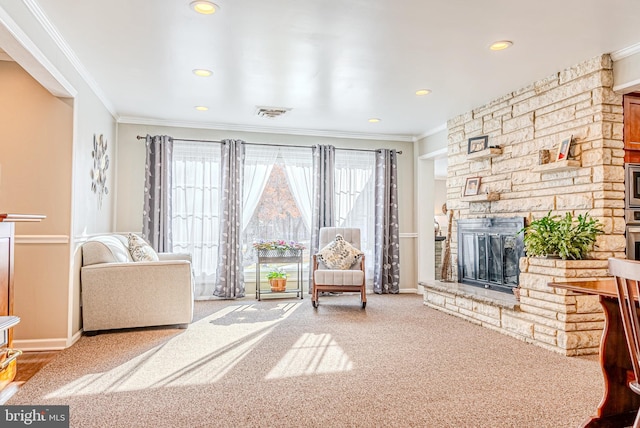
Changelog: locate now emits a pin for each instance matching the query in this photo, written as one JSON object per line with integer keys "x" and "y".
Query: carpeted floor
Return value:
{"x": 280, "y": 363}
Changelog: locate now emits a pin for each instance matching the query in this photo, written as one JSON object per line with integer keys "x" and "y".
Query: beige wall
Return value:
{"x": 36, "y": 135}
{"x": 131, "y": 158}
{"x": 51, "y": 316}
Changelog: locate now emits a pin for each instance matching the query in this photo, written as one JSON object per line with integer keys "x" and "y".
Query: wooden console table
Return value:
{"x": 619, "y": 405}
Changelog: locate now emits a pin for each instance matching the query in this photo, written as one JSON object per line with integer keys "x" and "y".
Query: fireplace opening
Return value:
{"x": 489, "y": 251}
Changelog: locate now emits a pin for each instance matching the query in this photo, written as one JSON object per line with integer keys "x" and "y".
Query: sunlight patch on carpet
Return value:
{"x": 312, "y": 354}
{"x": 202, "y": 354}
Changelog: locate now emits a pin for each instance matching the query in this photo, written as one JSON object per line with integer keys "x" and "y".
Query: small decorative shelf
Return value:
{"x": 484, "y": 197}
{"x": 563, "y": 165}
{"x": 485, "y": 154}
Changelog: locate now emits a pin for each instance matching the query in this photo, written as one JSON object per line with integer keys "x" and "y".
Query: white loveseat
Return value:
{"x": 118, "y": 292}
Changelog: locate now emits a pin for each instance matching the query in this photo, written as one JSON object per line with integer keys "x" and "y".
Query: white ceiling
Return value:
{"x": 334, "y": 63}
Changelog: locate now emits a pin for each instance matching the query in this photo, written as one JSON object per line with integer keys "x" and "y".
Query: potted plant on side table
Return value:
{"x": 277, "y": 279}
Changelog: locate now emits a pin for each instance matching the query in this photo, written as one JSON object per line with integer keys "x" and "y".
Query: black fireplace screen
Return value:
{"x": 489, "y": 250}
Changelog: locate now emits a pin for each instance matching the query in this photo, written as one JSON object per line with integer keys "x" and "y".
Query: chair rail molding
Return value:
{"x": 408, "y": 235}
{"x": 42, "y": 239}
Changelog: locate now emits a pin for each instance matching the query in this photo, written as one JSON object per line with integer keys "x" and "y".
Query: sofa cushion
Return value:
{"x": 339, "y": 254}
{"x": 105, "y": 249}
{"x": 140, "y": 250}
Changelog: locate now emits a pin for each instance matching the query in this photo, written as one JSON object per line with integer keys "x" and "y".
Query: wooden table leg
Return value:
{"x": 619, "y": 405}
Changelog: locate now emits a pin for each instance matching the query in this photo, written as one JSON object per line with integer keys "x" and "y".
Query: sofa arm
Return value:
{"x": 175, "y": 256}
{"x": 122, "y": 295}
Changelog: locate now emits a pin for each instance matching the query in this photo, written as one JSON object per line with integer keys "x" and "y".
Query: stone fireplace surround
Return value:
{"x": 578, "y": 101}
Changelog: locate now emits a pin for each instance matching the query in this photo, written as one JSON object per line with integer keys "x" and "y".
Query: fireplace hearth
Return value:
{"x": 489, "y": 251}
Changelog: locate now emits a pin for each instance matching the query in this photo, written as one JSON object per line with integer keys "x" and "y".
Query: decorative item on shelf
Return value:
{"x": 471, "y": 186}
{"x": 477, "y": 144}
{"x": 100, "y": 166}
{"x": 543, "y": 157}
{"x": 277, "y": 248}
{"x": 566, "y": 237}
{"x": 277, "y": 279}
{"x": 563, "y": 149}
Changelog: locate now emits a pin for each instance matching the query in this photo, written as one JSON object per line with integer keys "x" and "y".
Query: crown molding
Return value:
{"x": 431, "y": 132}
{"x": 62, "y": 44}
{"x": 250, "y": 128}
{"x": 625, "y": 52}
{"x": 21, "y": 49}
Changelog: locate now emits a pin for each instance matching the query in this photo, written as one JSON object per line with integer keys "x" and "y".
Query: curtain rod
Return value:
{"x": 140, "y": 137}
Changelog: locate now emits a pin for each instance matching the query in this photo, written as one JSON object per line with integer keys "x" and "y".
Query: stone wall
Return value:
{"x": 578, "y": 101}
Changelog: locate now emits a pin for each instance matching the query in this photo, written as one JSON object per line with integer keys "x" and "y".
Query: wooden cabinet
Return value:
{"x": 7, "y": 319}
{"x": 632, "y": 127}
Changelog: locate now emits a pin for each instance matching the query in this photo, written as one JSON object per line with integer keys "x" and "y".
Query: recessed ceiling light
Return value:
{"x": 204, "y": 7}
{"x": 502, "y": 44}
{"x": 201, "y": 108}
{"x": 421, "y": 92}
{"x": 374, "y": 120}
{"x": 202, "y": 72}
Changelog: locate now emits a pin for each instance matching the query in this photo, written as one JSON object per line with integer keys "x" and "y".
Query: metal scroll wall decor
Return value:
{"x": 100, "y": 166}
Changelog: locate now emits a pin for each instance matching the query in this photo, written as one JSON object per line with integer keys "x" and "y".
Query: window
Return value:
{"x": 195, "y": 198}
{"x": 277, "y": 191}
{"x": 355, "y": 199}
{"x": 278, "y": 182}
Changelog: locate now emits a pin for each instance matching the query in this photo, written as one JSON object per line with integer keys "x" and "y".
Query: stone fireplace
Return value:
{"x": 577, "y": 103}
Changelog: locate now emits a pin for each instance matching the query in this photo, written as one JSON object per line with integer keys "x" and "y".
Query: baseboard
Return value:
{"x": 41, "y": 344}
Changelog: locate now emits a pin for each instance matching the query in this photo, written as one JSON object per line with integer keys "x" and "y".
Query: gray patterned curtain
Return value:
{"x": 386, "y": 274}
{"x": 323, "y": 204}
{"x": 156, "y": 222}
{"x": 230, "y": 273}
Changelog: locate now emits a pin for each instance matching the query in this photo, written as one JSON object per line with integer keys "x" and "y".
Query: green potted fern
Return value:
{"x": 565, "y": 237}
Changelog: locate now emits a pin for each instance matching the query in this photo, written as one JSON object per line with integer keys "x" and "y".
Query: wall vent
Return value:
{"x": 271, "y": 112}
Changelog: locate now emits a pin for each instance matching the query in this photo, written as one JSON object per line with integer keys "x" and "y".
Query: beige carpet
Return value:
{"x": 280, "y": 363}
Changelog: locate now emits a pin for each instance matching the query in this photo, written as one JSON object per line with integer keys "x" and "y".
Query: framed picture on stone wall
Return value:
{"x": 471, "y": 186}
{"x": 563, "y": 149}
{"x": 477, "y": 144}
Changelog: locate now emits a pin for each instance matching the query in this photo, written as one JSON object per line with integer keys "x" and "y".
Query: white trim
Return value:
{"x": 74, "y": 338}
{"x": 249, "y": 128}
{"x": 5, "y": 57}
{"x": 409, "y": 291}
{"x": 625, "y": 52}
{"x": 627, "y": 87}
{"x": 42, "y": 239}
{"x": 408, "y": 235}
{"x": 62, "y": 44}
{"x": 40, "y": 344}
{"x": 24, "y": 51}
{"x": 431, "y": 132}
{"x": 434, "y": 154}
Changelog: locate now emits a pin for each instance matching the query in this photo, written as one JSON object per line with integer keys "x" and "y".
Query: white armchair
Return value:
{"x": 351, "y": 279}
{"x": 120, "y": 293}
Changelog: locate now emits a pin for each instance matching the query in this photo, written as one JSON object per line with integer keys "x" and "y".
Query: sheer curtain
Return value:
{"x": 298, "y": 166}
{"x": 196, "y": 194}
{"x": 355, "y": 199}
{"x": 258, "y": 164}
